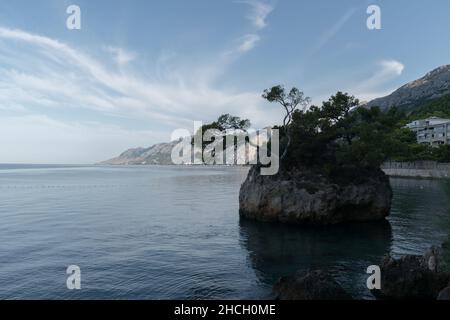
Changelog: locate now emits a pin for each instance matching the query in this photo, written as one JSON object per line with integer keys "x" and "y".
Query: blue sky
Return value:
{"x": 139, "y": 69}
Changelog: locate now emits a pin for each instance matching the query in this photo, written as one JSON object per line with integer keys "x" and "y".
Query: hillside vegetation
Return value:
{"x": 438, "y": 108}
{"x": 408, "y": 148}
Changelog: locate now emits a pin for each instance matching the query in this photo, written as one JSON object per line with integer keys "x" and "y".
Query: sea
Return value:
{"x": 174, "y": 232}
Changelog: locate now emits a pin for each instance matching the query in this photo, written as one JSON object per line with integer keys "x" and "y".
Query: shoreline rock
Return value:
{"x": 311, "y": 285}
{"x": 414, "y": 276}
{"x": 444, "y": 294}
{"x": 305, "y": 196}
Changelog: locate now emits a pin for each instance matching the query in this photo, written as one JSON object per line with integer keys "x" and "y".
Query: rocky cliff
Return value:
{"x": 433, "y": 85}
{"x": 416, "y": 277}
{"x": 159, "y": 154}
{"x": 305, "y": 196}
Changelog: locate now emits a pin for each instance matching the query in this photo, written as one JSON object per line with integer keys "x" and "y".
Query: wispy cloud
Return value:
{"x": 376, "y": 85}
{"x": 121, "y": 56}
{"x": 241, "y": 45}
{"x": 330, "y": 33}
{"x": 45, "y": 82}
{"x": 59, "y": 74}
{"x": 391, "y": 67}
{"x": 248, "y": 42}
{"x": 38, "y": 73}
{"x": 257, "y": 16}
{"x": 259, "y": 13}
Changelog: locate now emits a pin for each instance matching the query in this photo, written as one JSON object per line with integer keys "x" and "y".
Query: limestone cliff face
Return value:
{"x": 434, "y": 84}
{"x": 158, "y": 154}
{"x": 161, "y": 154}
{"x": 304, "y": 196}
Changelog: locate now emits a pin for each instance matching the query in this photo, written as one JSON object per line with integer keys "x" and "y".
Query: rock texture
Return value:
{"x": 446, "y": 243}
{"x": 303, "y": 196}
{"x": 444, "y": 294}
{"x": 433, "y": 85}
{"x": 158, "y": 154}
{"x": 414, "y": 277}
{"x": 313, "y": 285}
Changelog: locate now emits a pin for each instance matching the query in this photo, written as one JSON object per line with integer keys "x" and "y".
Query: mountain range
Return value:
{"x": 434, "y": 84}
{"x": 154, "y": 155}
{"x": 161, "y": 154}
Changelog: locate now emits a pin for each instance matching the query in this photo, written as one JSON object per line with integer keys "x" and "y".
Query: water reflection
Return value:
{"x": 420, "y": 214}
{"x": 346, "y": 251}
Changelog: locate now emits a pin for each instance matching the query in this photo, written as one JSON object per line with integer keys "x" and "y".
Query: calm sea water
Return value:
{"x": 173, "y": 232}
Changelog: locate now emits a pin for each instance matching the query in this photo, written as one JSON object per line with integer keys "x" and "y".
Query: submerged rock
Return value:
{"x": 305, "y": 196}
{"x": 413, "y": 277}
{"x": 313, "y": 285}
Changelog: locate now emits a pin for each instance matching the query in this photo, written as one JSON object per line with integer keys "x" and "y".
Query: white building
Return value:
{"x": 432, "y": 131}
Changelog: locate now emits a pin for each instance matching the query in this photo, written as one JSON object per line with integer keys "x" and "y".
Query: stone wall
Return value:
{"x": 418, "y": 169}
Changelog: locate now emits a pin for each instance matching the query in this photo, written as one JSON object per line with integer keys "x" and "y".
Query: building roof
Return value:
{"x": 432, "y": 121}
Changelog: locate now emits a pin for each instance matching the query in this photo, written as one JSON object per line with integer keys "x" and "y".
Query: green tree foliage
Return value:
{"x": 227, "y": 122}
{"x": 340, "y": 134}
{"x": 439, "y": 107}
{"x": 404, "y": 141}
{"x": 421, "y": 152}
{"x": 409, "y": 149}
{"x": 368, "y": 138}
{"x": 224, "y": 123}
{"x": 291, "y": 102}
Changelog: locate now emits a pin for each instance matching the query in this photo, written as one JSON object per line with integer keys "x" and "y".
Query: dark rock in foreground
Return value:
{"x": 305, "y": 196}
{"x": 413, "y": 277}
{"x": 444, "y": 294}
{"x": 446, "y": 244}
{"x": 313, "y": 285}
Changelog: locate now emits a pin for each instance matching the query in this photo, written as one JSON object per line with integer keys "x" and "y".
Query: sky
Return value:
{"x": 139, "y": 69}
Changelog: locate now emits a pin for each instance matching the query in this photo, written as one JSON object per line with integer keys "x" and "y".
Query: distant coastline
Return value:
{"x": 9, "y": 166}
